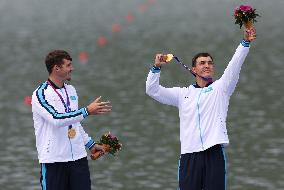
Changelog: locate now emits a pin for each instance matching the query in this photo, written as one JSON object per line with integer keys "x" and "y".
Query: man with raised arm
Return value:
{"x": 203, "y": 108}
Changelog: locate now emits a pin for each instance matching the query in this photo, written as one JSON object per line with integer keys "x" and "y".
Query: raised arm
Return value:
{"x": 230, "y": 77}
{"x": 163, "y": 95}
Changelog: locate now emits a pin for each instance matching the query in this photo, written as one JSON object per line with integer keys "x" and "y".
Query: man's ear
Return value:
{"x": 193, "y": 69}
{"x": 56, "y": 67}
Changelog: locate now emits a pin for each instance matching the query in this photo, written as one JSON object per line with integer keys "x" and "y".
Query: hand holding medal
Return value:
{"x": 162, "y": 59}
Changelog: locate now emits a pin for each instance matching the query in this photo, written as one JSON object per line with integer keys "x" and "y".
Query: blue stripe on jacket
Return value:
{"x": 90, "y": 144}
{"x": 55, "y": 114}
{"x": 43, "y": 175}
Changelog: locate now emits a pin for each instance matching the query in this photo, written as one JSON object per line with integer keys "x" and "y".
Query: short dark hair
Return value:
{"x": 203, "y": 54}
{"x": 56, "y": 58}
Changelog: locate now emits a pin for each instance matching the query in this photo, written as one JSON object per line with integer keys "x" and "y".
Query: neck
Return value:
{"x": 58, "y": 82}
{"x": 201, "y": 82}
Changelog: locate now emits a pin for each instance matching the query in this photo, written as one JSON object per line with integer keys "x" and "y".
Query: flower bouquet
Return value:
{"x": 110, "y": 143}
{"x": 245, "y": 15}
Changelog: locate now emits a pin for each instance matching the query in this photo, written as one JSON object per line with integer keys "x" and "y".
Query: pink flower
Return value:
{"x": 243, "y": 14}
{"x": 236, "y": 12}
{"x": 245, "y": 8}
{"x": 111, "y": 136}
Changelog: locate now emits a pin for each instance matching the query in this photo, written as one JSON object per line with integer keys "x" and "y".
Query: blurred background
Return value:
{"x": 113, "y": 44}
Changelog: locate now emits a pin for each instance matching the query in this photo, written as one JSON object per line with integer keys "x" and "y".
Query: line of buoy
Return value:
{"x": 102, "y": 41}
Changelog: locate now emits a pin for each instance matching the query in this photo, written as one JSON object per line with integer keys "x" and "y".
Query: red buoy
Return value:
{"x": 101, "y": 41}
{"x": 28, "y": 101}
{"x": 129, "y": 17}
{"x": 116, "y": 28}
{"x": 83, "y": 57}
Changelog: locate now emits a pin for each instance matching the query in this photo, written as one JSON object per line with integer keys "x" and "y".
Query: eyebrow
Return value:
{"x": 206, "y": 61}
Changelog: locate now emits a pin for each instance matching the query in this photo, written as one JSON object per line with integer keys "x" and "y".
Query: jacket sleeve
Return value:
{"x": 88, "y": 141}
{"x": 42, "y": 105}
{"x": 169, "y": 96}
{"x": 230, "y": 77}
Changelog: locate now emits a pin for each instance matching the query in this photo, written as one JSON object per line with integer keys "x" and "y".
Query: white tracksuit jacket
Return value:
{"x": 51, "y": 125}
{"x": 202, "y": 111}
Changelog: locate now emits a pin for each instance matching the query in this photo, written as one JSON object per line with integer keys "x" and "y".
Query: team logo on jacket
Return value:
{"x": 73, "y": 97}
{"x": 208, "y": 89}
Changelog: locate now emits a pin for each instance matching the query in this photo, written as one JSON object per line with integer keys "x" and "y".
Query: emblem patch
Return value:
{"x": 208, "y": 89}
{"x": 73, "y": 97}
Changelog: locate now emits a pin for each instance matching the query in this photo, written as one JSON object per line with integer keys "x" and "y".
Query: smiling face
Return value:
{"x": 64, "y": 70}
{"x": 204, "y": 67}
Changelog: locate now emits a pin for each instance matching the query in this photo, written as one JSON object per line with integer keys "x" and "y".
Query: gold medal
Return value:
{"x": 169, "y": 57}
{"x": 71, "y": 133}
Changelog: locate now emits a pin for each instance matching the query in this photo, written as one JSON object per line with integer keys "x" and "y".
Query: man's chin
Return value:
{"x": 207, "y": 76}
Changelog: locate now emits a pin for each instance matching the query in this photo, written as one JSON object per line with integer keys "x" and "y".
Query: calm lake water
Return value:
{"x": 117, "y": 71}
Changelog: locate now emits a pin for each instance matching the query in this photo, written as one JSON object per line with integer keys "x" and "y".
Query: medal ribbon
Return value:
{"x": 209, "y": 79}
{"x": 66, "y": 105}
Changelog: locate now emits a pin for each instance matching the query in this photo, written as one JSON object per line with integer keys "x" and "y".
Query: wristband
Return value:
{"x": 245, "y": 43}
{"x": 90, "y": 144}
{"x": 155, "y": 69}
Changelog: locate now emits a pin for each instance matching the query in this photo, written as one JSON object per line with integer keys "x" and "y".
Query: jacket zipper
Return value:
{"x": 199, "y": 118}
{"x": 71, "y": 148}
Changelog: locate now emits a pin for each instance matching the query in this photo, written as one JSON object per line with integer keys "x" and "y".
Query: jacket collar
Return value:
{"x": 54, "y": 85}
{"x": 197, "y": 86}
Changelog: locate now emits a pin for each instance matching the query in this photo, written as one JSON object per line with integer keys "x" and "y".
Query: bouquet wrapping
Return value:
{"x": 110, "y": 143}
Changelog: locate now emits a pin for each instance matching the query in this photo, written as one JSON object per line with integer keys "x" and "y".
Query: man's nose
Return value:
{"x": 206, "y": 64}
